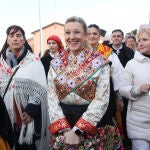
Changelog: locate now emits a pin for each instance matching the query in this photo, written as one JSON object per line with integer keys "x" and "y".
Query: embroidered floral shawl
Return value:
{"x": 27, "y": 86}
{"x": 77, "y": 72}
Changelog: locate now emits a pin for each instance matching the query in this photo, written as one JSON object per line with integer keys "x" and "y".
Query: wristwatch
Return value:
{"x": 78, "y": 132}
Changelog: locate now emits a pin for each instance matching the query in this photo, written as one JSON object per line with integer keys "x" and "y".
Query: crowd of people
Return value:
{"x": 85, "y": 96}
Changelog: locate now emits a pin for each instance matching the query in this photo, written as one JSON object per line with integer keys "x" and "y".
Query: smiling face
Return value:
{"x": 131, "y": 43}
{"x": 144, "y": 43}
{"x": 75, "y": 36}
{"x": 93, "y": 37}
{"x": 15, "y": 40}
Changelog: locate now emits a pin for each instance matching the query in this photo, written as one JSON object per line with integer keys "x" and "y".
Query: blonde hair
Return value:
{"x": 77, "y": 19}
{"x": 142, "y": 29}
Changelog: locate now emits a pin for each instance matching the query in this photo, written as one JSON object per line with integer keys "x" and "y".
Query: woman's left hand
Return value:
{"x": 71, "y": 138}
{"x": 26, "y": 118}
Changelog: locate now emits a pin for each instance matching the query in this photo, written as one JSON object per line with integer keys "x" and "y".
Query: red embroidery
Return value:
{"x": 59, "y": 125}
{"x": 86, "y": 126}
{"x": 1, "y": 65}
{"x": 17, "y": 54}
{"x": 36, "y": 58}
{"x": 87, "y": 91}
{"x": 9, "y": 71}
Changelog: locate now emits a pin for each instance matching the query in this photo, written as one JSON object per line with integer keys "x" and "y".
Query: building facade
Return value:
{"x": 54, "y": 28}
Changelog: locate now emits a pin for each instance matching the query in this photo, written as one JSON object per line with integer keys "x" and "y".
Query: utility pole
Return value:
{"x": 149, "y": 17}
{"x": 41, "y": 33}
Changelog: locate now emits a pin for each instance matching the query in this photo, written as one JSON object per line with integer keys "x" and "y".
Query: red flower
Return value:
{"x": 1, "y": 65}
{"x": 36, "y": 58}
{"x": 9, "y": 71}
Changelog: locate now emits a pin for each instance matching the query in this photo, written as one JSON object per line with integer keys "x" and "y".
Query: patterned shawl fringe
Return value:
{"x": 26, "y": 136}
{"x": 28, "y": 91}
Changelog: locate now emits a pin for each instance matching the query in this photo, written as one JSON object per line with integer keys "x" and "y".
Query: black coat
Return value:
{"x": 6, "y": 130}
{"x": 125, "y": 54}
{"x": 46, "y": 63}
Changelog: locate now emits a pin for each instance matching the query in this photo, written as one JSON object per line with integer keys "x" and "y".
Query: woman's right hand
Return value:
{"x": 26, "y": 118}
{"x": 145, "y": 88}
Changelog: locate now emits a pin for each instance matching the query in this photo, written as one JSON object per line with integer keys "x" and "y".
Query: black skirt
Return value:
{"x": 73, "y": 112}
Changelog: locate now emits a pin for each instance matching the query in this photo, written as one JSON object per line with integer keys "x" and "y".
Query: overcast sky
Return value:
{"x": 108, "y": 14}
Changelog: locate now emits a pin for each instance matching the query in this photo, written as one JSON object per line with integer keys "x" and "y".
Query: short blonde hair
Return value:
{"x": 142, "y": 29}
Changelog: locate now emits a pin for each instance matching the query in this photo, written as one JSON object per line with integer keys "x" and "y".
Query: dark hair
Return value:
{"x": 94, "y": 26}
{"x": 15, "y": 29}
{"x": 118, "y": 30}
{"x": 106, "y": 42}
{"x": 132, "y": 37}
{"x": 77, "y": 19}
{"x": 128, "y": 33}
{"x": 46, "y": 52}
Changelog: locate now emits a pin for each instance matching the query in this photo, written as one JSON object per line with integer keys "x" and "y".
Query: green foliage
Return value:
{"x": 134, "y": 32}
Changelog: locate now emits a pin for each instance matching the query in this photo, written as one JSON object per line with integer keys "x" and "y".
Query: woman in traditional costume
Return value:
{"x": 55, "y": 47}
{"x": 111, "y": 137}
{"x": 78, "y": 92}
{"x": 23, "y": 88}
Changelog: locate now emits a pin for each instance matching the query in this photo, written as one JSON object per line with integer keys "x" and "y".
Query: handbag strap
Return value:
{"x": 10, "y": 81}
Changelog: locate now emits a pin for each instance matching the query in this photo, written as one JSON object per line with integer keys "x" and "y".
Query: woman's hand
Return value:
{"x": 71, "y": 138}
{"x": 145, "y": 88}
{"x": 26, "y": 118}
{"x": 119, "y": 105}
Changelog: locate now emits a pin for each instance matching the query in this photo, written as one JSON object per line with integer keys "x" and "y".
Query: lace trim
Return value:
{"x": 29, "y": 91}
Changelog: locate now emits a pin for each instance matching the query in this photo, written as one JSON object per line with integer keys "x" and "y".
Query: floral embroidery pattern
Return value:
{"x": 87, "y": 90}
{"x": 6, "y": 71}
{"x": 70, "y": 57}
{"x": 1, "y": 65}
{"x": 61, "y": 79}
{"x": 81, "y": 57}
{"x": 86, "y": 126}
{"x": 96, "y": 63}
{"x": 75, "y": 73}
{"x": 71, "y": 83}
{"x": 59, "y": 125}
{"x": 56, "y": 62}
{"x": 100, "y": 141}
{"x": 9, "y": 71}
{"x": 35, "y": 59}
{"x": 61, "y": 92}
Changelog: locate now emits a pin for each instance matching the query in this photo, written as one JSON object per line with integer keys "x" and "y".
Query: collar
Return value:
{"x": 54, "y": 55}
{"x": 117, "y": 49}
{"x": 146, "y": 55}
